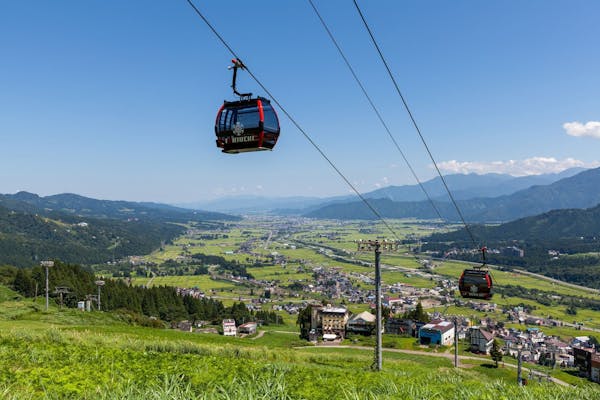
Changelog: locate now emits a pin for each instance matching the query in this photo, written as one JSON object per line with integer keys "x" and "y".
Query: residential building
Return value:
{"x": 437, "y": 332}
{"x": 229, "y": 328}
{"x": 328, "y": 320}
{"x": 481, "y": 340}
{"x": 583, "y": 360}
{"x": 363, "y": 323}
{"x": 595, "y": 368}
{"x": 397, "y": 326}
{"x": 333, "y": 320}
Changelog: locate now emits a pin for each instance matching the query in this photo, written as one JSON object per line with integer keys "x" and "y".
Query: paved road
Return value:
{"x": 430, "y": 354}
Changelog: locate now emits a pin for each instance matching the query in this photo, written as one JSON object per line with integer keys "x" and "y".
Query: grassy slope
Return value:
{"x": 69, "y": 354}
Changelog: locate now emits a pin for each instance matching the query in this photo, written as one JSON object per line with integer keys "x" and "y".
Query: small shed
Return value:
{"x": 184, "y": 326}
{"x": 248, "y": 328}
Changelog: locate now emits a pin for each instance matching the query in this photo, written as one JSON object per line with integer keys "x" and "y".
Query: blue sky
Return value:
{"x": 117, "y": 100}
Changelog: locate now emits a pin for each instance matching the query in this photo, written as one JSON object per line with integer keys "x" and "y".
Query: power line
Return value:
{"x": 304, "y": 133}
{"x": 414, "y": 122}
{"x": 362, "y": 88}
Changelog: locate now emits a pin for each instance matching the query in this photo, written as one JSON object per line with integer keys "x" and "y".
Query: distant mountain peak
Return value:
{"x": 24, "y": 196}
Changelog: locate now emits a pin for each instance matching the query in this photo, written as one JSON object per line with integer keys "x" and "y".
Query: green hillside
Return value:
{"x": 80, "y": 206}
{"x": 69, "y": 354}
{"x": 27, "y": 238}
{"x": 573, "y": 233}
{"x": 550, "y": 226}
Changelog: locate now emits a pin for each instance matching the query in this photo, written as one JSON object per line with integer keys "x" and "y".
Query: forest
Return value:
{"x": 160, "y": 302}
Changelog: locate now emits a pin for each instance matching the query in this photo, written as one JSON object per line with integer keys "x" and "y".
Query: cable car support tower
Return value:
{"x": 377, "y": 247}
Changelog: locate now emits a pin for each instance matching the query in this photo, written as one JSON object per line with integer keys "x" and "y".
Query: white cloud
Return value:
{"x": 529, "y": 166}
{"x": 382, "y": 182}
{"x": 590, "y": 128}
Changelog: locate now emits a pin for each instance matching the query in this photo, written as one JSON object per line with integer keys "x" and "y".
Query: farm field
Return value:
{"x": 313, "y": 244}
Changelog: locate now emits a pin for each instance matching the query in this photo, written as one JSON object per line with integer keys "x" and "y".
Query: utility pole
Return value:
{"x": 47, "y": 264}
{"x": 378, "y": 326}
{"x": 99, "y": 284}
{"x": 60, "y": 290}
{"x": 455, "y": 342}
{"x": 519, "y": 367}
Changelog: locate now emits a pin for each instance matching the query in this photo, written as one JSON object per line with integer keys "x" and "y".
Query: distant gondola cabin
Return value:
{"x": 476, "y": 284}
{"x": 246, "y": 125}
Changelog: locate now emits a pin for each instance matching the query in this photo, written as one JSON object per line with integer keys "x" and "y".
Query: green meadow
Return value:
{"x": 66, "y": 354}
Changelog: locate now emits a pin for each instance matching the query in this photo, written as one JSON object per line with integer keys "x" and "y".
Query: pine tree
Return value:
{"x": 420, "y": 314}
{"x": 495, "y": 352}
{"x": 23, "y": 283}
{"x": 304, "y": 320}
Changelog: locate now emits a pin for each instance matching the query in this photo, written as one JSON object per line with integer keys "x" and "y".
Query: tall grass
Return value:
{"x": 56, "y": 364}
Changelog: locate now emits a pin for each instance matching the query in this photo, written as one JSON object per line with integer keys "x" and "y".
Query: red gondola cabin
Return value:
{"x": 475, "y": 284}
{"x": 246, "y": 125}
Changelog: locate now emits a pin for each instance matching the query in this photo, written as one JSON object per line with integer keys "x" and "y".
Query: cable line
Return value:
{"x": 304, "y": 133}
{"x": 358, "y": 81}
{"x": 414, "y": 122}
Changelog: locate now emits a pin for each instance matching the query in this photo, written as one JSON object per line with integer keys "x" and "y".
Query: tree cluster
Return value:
{"x": 27, "y": 238}
{"x": 418, "y": 314}
{"x": 162, "y": 302}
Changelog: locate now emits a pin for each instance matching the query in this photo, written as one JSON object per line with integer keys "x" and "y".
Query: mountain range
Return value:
{"x": 468, "y": 186}
{"x": 463, "y": 186}
{"x": 581, "y": 190}
{"x": 76, "y": 205}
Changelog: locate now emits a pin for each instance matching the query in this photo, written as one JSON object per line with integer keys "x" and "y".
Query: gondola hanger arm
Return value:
{"x": 237, "y": 63}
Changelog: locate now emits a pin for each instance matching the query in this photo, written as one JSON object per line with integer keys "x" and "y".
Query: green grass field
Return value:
{"x": 204, "y": 282}
{"x": 66, "y": 354}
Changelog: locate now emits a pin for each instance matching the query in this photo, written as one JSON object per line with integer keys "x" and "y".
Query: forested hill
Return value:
{"x": 26, "y": 238}
{"x": 72, "y": 204}
{"x": 547, "y": 227}
{"x": 562, "y": 244}
{"x": 579, "y": 191}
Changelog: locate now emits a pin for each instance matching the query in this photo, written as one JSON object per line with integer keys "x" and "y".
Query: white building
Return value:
{"x": 437, "y": 332}
{"x": 229, "y": 328}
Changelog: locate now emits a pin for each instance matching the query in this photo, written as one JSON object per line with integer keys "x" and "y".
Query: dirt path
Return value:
{"x": 259, "y": 335}
{"x": 430, "y": 354}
